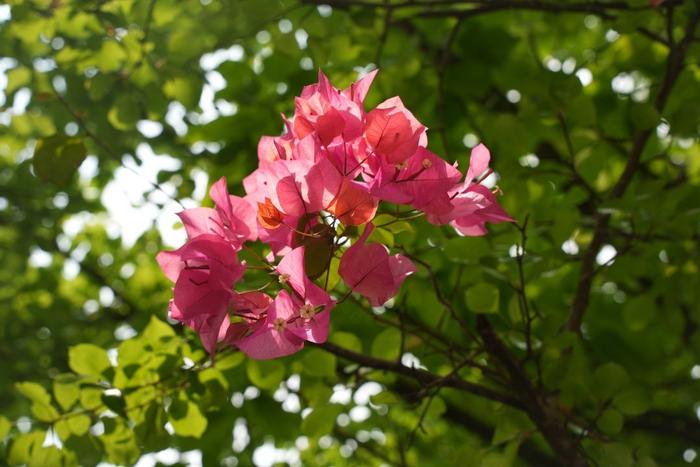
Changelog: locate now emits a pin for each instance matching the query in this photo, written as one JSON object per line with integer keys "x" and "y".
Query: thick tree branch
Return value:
{"x": 542, "y": 409}
{"x": 422, "y": 376}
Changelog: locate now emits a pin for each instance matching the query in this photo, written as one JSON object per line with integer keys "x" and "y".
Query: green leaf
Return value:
{"x": 230, "y": 360}
{"x": 114, "y": 402}
{"x": 66, "y": 390}
{"x": 185, "y": 90}
{"x": 319, "y": 363}
{"x": 41, "y": 407}
{"x": 216, "y": 387}
{"x": 124, "y": 113}
{"x": 44, "y": 456}
{"x": 616, "y": 454}
{"x": 5, "y": 426}
{"x": 111, "y": 56}
{"x": 57, "y": 157}
{"x": 386, "y": 397}
{"x": 100, "y": 86}
{"x": 79, "y": 424}
{"x": 321, "y": 420}
{"x": 464, "y": 250}
{"x": 482, "y": 298}
{"x": 265, "y": 374}
{"x": 644, "y": 116}
{"x": 609, "y": 379}
{"x": 73, "y": 424}
{"x": 34, "y": 392}
{"x": 383, "y": 236}
{"x": 387, "y": 344}
{"x": 611, "y": 422}
{"x": 346, "y": 340}
{"x": 88, "y": 359}
{"x": 91, "y": 398}
{"x": 16, "y": 78}
{"x": 160, "y": 335}
{"x": 23, "y": 445}
{"x": 633, "y": 401}
{"x": 186, "y": 418}
{"x": 509, "y": 425}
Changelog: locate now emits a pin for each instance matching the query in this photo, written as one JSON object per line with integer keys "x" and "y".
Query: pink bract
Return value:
{"x": 369, "y": 270}
{"x": 314, "y": 188}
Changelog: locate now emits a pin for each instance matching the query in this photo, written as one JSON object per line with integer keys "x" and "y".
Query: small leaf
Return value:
{"x": 610, "y": 422}
{"x": 57, "y": 157}
{"x": 78, "y": 424}
{"x": 265, "y": 374}
{"x": 385, "y": 397}
{"x": 5, "y": 426}
{"x": 319, "y": 363}
{"x": 186, "y": 418}
{"x": 483, "y": 298}
{"x": 114, "y": 402}
{"x": 633, "y": 401}
{"x": 34, "y": 392}
{"x": 185, "y": 90}
{"x": 91, "y": 398}
{"x": 387, "y": 344}
{"x": 88, "y": 359}
{"x": 124, "y": 113}
{"x": 66, "y": 390}
{"x": 230, "y": 360}
{"x": 23, "y": 446}
{"x": 45, "y": 455}
{"x": 321, "y": 421}
{"x": 609, "y": 379}
{"x": 16, "y": 78}
{"x": 347, "y": 340}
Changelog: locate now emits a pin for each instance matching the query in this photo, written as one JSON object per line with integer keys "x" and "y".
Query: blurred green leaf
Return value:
{"x": 88, "y": 359}
{"x": 482, "y": 298}
{"x": 57, "y": 158}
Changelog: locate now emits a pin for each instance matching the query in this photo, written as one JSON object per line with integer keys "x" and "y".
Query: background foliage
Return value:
{"x": 570, "y": 338}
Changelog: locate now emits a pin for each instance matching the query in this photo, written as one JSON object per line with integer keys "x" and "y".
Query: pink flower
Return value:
{"x": 423, "y": 181}
{"x": 204, "y": 270}
{"x": 329, "y": 113}
{"x": 315, "y": 304}
{"x": 233, "y": 218}
{"x": 274, "y": 338}
{"x": 370, "y": 271}
{"x": 292, "y": 318}
{"x": 359, "y": 89}
{"x": 471, "y": 204}
{"x": 393, "y": 132}
{"x": 334, "y": 158}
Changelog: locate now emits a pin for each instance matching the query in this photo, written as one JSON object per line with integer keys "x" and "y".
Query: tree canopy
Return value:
{"x": 566, "y": 337}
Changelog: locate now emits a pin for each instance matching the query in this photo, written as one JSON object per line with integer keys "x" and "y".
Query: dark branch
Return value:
{"x": 674, "y": 66}
{"x": 422, "y": 376}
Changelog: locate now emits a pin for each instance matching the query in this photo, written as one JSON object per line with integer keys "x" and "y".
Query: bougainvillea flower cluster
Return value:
{"x": 311, "y": 201}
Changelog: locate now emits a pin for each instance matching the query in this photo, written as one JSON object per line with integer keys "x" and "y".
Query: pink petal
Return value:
{"x": 313, "y": 330}
{"x": 393, "y": 132}
{"x": 478, "y": 162}
{"x": 270, "y": 343}
{"x": 198, "y": 221}
{"x": 353, "y": 205}
{"x": 371, "y": 272}
{"x": 358, "y": 90}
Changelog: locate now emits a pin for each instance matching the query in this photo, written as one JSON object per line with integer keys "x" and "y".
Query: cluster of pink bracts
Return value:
{"x": 329, "y": 170}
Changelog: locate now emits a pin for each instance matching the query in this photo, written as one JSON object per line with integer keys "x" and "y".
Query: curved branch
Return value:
{"x": 422, "y": 376}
